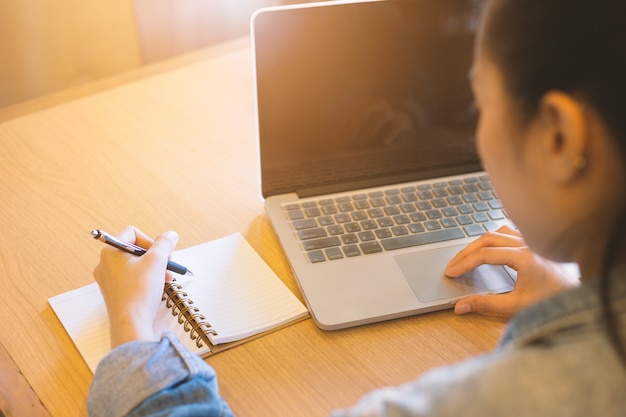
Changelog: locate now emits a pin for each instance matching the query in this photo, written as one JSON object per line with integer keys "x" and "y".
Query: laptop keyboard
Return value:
{"x": 395, "y": 218}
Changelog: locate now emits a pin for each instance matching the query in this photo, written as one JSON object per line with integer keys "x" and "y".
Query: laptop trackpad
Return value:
{"x": 424, "y": 272}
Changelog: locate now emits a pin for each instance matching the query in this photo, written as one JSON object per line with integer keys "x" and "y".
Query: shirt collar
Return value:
{"x": 573, "y": 308}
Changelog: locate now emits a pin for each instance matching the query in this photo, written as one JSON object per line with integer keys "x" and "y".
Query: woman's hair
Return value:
{"x": 574, "y": 46}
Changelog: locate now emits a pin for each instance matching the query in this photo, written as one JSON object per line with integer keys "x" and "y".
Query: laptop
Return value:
{"x": 369, "y": 171}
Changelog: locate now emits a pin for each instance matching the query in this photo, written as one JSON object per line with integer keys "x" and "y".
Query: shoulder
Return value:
{"x": 576, "y": 377}
{"x": 531, "y": 381}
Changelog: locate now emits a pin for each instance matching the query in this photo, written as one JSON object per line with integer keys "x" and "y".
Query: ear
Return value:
{"x": 565, "y": 138}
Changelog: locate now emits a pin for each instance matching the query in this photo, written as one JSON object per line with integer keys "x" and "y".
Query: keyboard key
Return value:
{"x": 496, "y": 215}
{"x": 422, "y": 238}
{"x": 432, "y": 225}
{"x": 480, "y": 217}
{"x": 391, "y": 210}
{"x": 399, "y": 230}
{"x": 415, "y": 228}
{"x": 425, "y": 195}
{"x": 484, "y": 185}
{"x": 402, "y": 219}
{"x": 370, "y": 247}
{"x": 333, "y": 254}
{"x": 465, "y": 209}
{"x": 448, "y": 222}
{"x": 375, "y": 213}
{"x": 362, "y": 204}
{"x": 434, "y": 214}
{"x": 328, "y": 210}
{"x": 383, "y": 233}
{"x": 343, "y": 218}
{"x": 378, "y": 202}
{"x": 407, "y": 208}
{"x": 351, "y": 251}
{"x": 470, "y": 198}
{"x": 385, "y": 222}
{"x": 335, "y": 230}
{"x": 293, "y": 206}
{"x": 295, "y": 214}
{"x": 309, "y": 204}
{"x": 312, "y": 212}
{"x": 393, "y": 199}
{"x": 307, "y": 234}
{"x": 491, "y": 226}
{"x": 485, "y": 195}
{"x": 474, "y": 230}
{"x": 496, "y": 204}
{"x": 349, "y": 239}
{"x": 325, "y": 221}
{"x": 424, "y": 205}
{"x": 366, "y": 236}
{"x": 418, "y": 217}
{"x": 449, "y": 212}
{"x": 359, "y": 215}
{"x": 316, "y": 256}
{"x": 304, "y": 224}
{"x": 326, "y": 242}
{"x": 369, "y": 225}
{"x": 352, "y": 227}
{"x": 345, "y": 207}
{"x": 464, "y": 220}
{"x": 409, "y": 197}
{"x": 455, "y": 190}
{"x": 482, "y": 206}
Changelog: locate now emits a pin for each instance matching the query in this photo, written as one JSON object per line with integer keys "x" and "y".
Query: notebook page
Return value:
{"x": 83, "y": 314}
{"x": 236, "y": 290}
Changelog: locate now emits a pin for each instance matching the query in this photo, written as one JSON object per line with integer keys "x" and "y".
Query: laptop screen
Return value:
{"x": 352, "y": 95}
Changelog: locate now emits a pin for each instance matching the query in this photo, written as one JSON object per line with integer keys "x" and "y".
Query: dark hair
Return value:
{"x": 573, "y": 46}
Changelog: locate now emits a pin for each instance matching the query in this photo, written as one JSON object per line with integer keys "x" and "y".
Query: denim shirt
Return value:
{"x": 554, "y": 359}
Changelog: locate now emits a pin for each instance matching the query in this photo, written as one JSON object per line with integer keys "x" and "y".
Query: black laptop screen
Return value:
{"x": 364, "y": 94}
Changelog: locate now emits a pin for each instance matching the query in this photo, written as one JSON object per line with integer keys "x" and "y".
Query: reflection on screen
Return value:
{"x": 364, "y": 93}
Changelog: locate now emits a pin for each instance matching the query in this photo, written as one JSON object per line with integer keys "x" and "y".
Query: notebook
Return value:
{"x": 365, "y": 123}
{"x": 237, "y": 295}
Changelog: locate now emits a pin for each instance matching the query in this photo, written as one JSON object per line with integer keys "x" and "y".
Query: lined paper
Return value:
{"x": 233, "y": 288}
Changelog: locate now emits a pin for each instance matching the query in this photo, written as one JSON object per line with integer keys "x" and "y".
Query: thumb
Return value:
{"x": 484, "y": 304}
{"x": 163, "y": 245}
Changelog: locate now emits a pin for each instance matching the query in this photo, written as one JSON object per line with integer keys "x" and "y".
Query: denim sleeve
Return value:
{"x": 162, "y": 378}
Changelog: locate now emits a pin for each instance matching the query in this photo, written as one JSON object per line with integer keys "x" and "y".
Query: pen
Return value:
{"x": 135, "y": 250}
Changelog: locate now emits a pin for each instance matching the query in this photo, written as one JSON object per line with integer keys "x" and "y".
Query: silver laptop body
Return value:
{"x": 371, "y": 181}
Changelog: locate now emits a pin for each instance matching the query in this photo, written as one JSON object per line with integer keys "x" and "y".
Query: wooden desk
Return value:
{"x": 173, "y": 147}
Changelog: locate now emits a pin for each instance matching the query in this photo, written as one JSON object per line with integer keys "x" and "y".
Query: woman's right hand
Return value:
{"x": 537, "y": 278}
{"x": 132, "y": 287}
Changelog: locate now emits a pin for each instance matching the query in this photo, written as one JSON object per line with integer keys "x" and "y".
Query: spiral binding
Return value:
{"x": 189, "y": 315}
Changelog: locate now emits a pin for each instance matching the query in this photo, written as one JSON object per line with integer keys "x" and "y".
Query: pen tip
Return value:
{"x": 190, "y": 273}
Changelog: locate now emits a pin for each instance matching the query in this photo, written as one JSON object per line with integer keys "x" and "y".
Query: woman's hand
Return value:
{"x": 537, "y": 278}
{"x": 132, "y": 286}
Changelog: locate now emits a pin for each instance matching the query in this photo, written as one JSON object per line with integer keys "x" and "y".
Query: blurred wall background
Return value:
{"x": 51, "y": 45}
